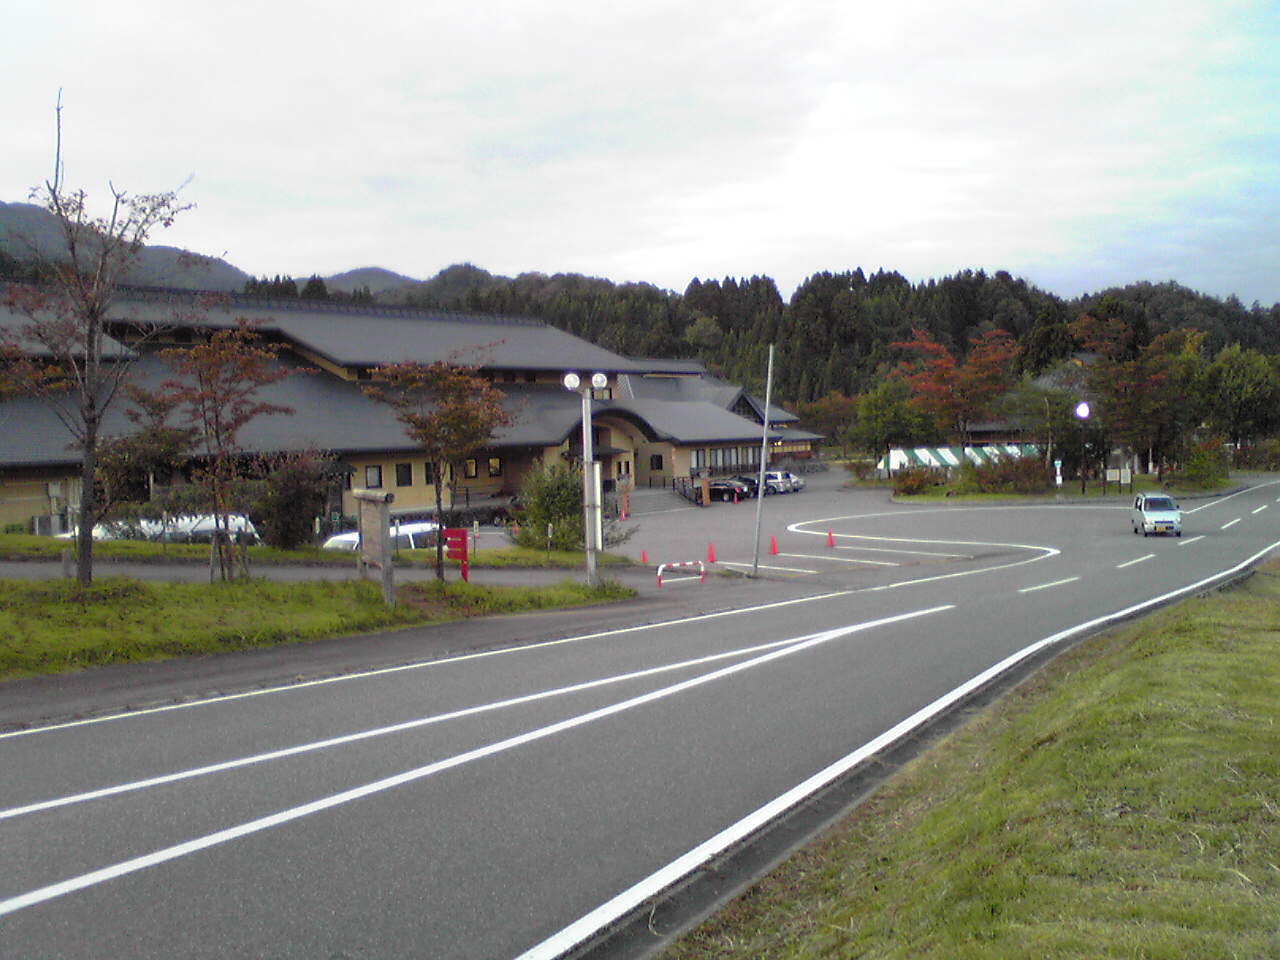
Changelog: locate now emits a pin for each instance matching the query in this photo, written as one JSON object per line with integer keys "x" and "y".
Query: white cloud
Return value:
{"x": 662, "y": 141}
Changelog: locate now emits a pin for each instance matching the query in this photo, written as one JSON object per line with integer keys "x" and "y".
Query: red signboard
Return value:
{"x": 455, "y": 548}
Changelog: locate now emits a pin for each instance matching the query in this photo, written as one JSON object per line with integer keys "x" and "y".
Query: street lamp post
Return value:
{"x": 590, "y": 473}
{"x": 1082, "y": 414}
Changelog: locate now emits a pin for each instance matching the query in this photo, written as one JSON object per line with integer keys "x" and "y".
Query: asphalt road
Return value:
{"x": 470, "y": 798}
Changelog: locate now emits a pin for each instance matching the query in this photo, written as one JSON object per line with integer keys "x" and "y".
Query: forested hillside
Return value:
{"x": 835, "y": 333}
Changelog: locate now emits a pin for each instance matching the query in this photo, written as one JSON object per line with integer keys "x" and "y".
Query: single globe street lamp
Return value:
{"x": 1082, "y": 414}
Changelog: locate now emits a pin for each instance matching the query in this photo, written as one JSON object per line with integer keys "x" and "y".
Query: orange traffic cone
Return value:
{"x": 831, "y": 541}
{"x": 711, "y": 553}
{"x": 644, "y": 558}
{"x": 773, "y": 546}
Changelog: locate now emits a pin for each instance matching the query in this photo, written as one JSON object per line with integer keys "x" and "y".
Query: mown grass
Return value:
{"x": 21, "y": 546}
{"x": 1124, "y": 804}
{"x": 54, "y": 626}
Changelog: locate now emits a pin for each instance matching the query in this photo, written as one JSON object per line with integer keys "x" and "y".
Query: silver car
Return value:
{"x": 1155, "y": 513}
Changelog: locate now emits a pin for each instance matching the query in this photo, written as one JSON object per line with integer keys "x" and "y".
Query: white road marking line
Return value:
{"x": 1261, "y": 508}
{"x": 828, "y": 557}
{"x": 1130, "y": 563}
{"x": 1183, "y": 543}
{"x": 747, "y": 566}
{"x": 384, "y": 731}
{"x": 424, "y": 664}
{"x": 679, "y": 579}
{"x": 653, "y": 885}
{"x": 1230, "y": 496}
{"x": 71, "y": 885}
{"x": 1229, "y": 523}
{"x": 918, "y": 553}
{"x": 1046, "y": 586}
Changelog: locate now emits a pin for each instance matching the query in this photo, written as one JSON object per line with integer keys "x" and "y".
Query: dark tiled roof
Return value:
{"x": 368, "y": 336}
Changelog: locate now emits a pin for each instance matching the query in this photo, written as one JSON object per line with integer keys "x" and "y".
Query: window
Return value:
{"x": 717, "y": 457}
{"x": 428, "y": 473}
{"x": 531, "y": 377}
{"x": 404, "y": 474}
{"x": 509, "y": 377}
{"x": 495, "y": 466}
{"x": 699, "y": 458}
{"x": 470, "y": 471}
{"x": 373, "y": 476}
{"x": 655, "y": 461}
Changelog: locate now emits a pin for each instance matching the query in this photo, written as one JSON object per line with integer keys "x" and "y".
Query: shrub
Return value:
{"x": 1014, "y": 475}
{"x": 551, "y": 494}
{"x": 291, "y": 496}
{"x": 1207, "y": 463}
{"x": 915, "y": 480}
{"x": 1258, "y": 456}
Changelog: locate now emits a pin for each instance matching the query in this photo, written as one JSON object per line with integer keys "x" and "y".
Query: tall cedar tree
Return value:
{"x": 448, "y": 410}
{"x": 956, "y": 394}
{"x": 218, "y": 393}
{"x": 61, "y": 353}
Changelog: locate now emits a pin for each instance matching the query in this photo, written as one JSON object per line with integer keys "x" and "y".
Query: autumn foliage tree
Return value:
{"x": 61, "y": 353}
{"x": 1147, "y": 394}
{"x": 448, "y": 410}
{"x": 217, "y": 388}
{"x": 957, "y": 393}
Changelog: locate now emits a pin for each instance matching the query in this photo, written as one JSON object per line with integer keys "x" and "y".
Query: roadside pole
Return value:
{"x": 764, "y": 453}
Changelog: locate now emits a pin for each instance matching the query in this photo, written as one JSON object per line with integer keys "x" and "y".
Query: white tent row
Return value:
{"x": 899, "y": 458}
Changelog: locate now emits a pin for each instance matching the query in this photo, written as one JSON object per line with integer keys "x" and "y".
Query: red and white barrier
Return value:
{"x": 702, "y": 570}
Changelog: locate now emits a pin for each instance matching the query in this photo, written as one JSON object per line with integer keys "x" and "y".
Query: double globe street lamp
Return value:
{"x": 592, "y": 530}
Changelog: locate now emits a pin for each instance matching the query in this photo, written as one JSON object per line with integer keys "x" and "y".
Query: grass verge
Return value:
{"x": 21, "y": 546}
{"x": 1124, "y": 803}
{"x": 55, "y": 626}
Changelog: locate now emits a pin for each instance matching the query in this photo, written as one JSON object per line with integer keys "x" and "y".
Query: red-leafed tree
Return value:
{"x": 448, "y": 410}
{"x": 60, "y": 352}
{"x": 217, "y": 391}
{"x": 954, "y": 393}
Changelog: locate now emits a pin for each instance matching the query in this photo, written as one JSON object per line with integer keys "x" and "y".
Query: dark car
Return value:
{"x": 728, "y": 490}
{"x": 753, "y": 483}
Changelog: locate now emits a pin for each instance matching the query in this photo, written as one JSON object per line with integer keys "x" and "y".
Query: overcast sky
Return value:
{"x": 1076, "y": 144}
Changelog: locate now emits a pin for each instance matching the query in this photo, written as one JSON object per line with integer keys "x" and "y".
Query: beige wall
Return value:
{"x": 419, "y": 494}
{"x": 26, "y": 494}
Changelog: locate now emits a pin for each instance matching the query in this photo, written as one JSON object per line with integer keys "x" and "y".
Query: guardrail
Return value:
{"x": 702, "y": 570}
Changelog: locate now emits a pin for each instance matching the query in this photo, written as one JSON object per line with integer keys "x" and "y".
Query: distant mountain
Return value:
{"x": 29, "y": 232}
{"x": 376, "y": 279}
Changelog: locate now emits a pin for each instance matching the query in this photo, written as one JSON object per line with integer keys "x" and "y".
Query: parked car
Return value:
{"x": 728, "y": 490}
{"x": 1155, "y": 513}
{"x": 797, "y": 481}
{"x": 782, "y": 481}
{"x": 405, "y": 536}
{"x": 179, "y": 529}
{"x": 753, "y": 483}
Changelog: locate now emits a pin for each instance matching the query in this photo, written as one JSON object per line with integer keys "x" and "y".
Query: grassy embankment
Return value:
{"x": 54, "y": 626}
{"x": 1126, "y": 803}
{"x": 17, "y": 546}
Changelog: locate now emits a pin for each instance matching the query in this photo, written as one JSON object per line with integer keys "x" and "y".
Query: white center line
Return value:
{"x": 1183, "y": 543}
{"x": 1046, "y": 586}
{"x": 1230, "y": 523}
{"x": 113, "y": 871}
{"x": 810, "y": 556}
{"x": 1261, "y": 508}
{"x": 1121, "y": 566}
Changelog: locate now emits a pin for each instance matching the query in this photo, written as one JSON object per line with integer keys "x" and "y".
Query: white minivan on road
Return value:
{"x": 1155, "y": 513}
